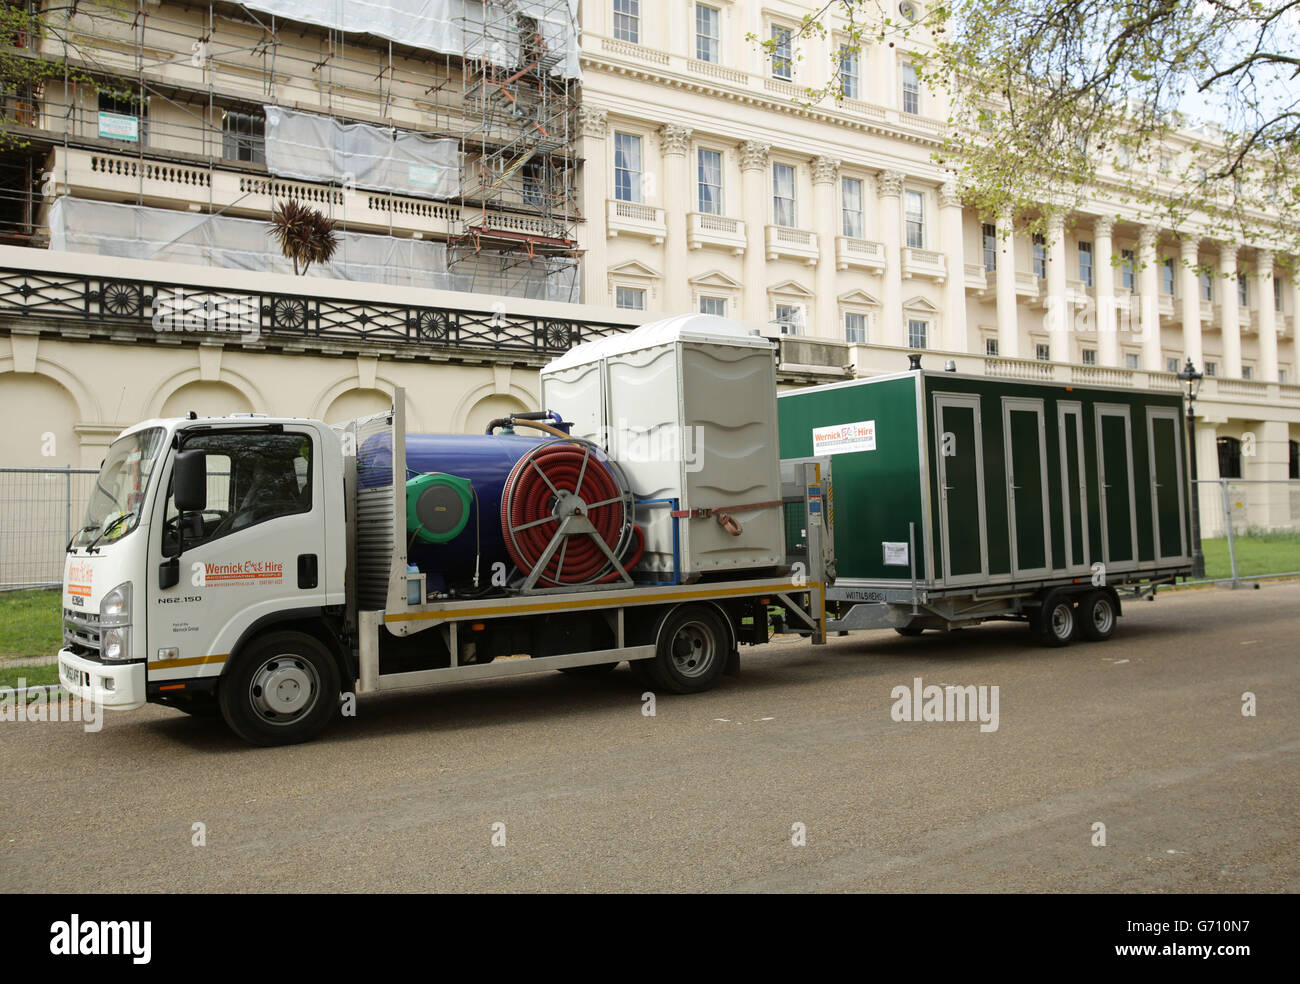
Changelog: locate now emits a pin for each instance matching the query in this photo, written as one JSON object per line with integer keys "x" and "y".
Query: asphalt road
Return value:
{"x": 1144, "y": 734}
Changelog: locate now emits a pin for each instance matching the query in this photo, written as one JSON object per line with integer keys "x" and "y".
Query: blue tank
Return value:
{"x": 484, "y": 461}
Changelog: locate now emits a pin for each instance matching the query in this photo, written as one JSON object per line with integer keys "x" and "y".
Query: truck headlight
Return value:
{"x": 115, "y": 643}
{"x": 115, "y": 609}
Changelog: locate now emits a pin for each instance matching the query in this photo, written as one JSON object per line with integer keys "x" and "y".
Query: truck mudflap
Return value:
{"x": 117, "y": 686}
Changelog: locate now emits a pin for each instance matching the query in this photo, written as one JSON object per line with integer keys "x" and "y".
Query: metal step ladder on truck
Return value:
{"x": 264, "y": 569}
{"x": 961, "y": 499}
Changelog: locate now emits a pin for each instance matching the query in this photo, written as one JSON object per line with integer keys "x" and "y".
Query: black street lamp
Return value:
{"x": 1192, "y": 380}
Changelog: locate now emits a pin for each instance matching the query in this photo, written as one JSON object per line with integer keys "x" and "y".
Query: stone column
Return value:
{"x": 1058, "y": 318}
{"x": 951, "y": 221}
{"x": 1191, "y": 302}
{"x": 1149, "y": 298}
{"x": 1229, "y": 326}
{"x": 753, "y": 168}
{"x": 1295, "y": 327}
{"x": 1103, "y": 278}
{"x": 825, "y": 173}
{"x": 1008, "y": 315}
{"x": 1267, "y": 315}
{"x": 676, "y": 143}
{"x": 890, "y": 190}
{"x": 592, "y": 124}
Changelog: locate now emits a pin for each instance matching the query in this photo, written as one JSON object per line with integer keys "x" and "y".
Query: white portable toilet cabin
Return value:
{"x": 687, "y": 406}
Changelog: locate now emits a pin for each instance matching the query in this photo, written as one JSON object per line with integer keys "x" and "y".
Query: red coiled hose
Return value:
{"x": 529, "y": 497}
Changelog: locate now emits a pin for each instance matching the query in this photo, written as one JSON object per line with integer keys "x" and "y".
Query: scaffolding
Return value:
{"x": 196, "y": 76}
{"x": 520, "y": 167}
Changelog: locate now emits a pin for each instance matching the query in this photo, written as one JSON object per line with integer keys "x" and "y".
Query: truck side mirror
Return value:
{"x": 190, "y": 481}
{"x": 169, "y": 573}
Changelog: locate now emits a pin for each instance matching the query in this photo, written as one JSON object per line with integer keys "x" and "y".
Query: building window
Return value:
{"x": 1127, "y": 269}
{"x": 1211, "y": 368}
{"x": 789, "y": 318}
{"x": 243, "y": 137}
{"x": 534, "y": 179}
{"x": 782, "y": 53}
{"x": 1040, "y": 256}
{"x": 989, "y": 238}
{"x": 710, "y": 168}
{"x": 627, "y": 167}
{"x": 1167, "y": 276}
{"x": 1043, "y": 352}
{"x": 708, "y": 33}
{"x": 1243, "y": 290}
{"x": 1085, "y": 263}
{"x": 123, "y": 118}
{"x": 911, "y": 89}
{"x": 1229, "y": 457}
{"x": 851, "y": 207}
{"x": 1281, "y": 375}
{"x": 714, "y": 305}
{"x": 1089, "y": 357}
{"x": 915, "y": 214}
{"x": 1295, "y": 459}
{"x": 1130, "y": 360}
{"x": 849, "y": 71}
{"x": 629, "y": 298}
{"x": 991, "y": 347}
{"x": 783, "y": 202}
{"x": 1247, "y": 372}
{"x": 1171, "y": 363}
{"x": 1207, "y": 285}
{"x": 918, "y": 333}
{"x": 855, "y": 328}
{"x": 627, "y": 20}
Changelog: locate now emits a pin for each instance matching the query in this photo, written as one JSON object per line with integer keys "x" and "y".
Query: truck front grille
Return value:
{"x": 81, "y": 633}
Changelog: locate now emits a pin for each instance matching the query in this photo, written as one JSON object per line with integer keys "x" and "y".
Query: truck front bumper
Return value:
{"x": 119, "y": 686}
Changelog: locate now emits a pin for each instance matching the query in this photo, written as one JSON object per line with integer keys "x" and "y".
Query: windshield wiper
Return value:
{"x": 111, "y": 526}
{"x": 84, "y": 529}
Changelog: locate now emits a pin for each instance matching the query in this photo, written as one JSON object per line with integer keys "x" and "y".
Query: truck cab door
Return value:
{"x": 256, "y": 549}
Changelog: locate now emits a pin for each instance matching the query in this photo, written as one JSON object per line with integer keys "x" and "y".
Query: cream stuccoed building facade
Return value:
{"x": 711, "y": 184}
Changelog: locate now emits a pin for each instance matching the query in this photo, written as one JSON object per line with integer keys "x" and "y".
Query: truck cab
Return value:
{"x": 206, "y": 540}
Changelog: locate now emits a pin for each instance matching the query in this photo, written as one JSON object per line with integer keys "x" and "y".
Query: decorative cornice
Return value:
{"x": 675, "y": 139}
{"x": 825, "y": 170}
{"x": 890, "y": 184}
{"x": 753, "y": 155}
{"x": 592, "y": 121}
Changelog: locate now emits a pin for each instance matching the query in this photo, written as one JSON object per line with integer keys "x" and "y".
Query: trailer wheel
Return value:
{"x": 1056, "y": 622}
{"x": 282, "y": 689}
{"x": 1097, "y": 616}
{"x": 691, "y": 652}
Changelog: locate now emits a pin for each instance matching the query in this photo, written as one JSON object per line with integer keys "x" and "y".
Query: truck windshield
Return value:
{"x": 118, "y": 494}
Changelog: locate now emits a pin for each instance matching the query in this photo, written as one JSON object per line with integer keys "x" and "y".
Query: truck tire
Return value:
{"x": 282, "y": 689}
{"x": 1056, "y": 622}
{"x": 1097, "y": 615}
{"x": 691, "y": 652}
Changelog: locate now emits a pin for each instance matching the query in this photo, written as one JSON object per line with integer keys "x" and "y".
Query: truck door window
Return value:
{"x": 252, "y": 478}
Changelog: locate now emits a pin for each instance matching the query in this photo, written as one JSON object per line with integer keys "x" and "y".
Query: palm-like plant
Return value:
{"x": 305, "y": 235}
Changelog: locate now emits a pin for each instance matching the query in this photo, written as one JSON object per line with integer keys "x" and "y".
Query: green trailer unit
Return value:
{"x": 959, "y": 499}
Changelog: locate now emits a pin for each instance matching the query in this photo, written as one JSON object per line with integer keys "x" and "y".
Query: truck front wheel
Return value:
{"x": 282, "y": 689}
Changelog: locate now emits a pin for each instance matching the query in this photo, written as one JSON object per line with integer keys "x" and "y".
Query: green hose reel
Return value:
{"x": 437, "y": 506}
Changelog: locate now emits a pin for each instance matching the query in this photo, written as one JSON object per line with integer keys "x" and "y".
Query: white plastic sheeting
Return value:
{"x": 452, "y": 27}
{"x": 320, "y": 148}
{"x": 139, "y": 232}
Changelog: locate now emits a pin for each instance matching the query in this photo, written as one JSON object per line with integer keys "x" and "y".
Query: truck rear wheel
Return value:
{"x": 1097, "y": 616}
{"x": 1056, "y": 623}
{"x": 282, "y": 689}
{"x": 691, "y": 651}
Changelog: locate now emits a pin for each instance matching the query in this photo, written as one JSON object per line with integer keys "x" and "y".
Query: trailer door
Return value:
{"x": 1027, "y": 511}
{"x": 959, "y": 451}
{"x": 1166, "y": 482}
{"x": 1115, "y": 470}
{"x": 1074, "y": 490}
